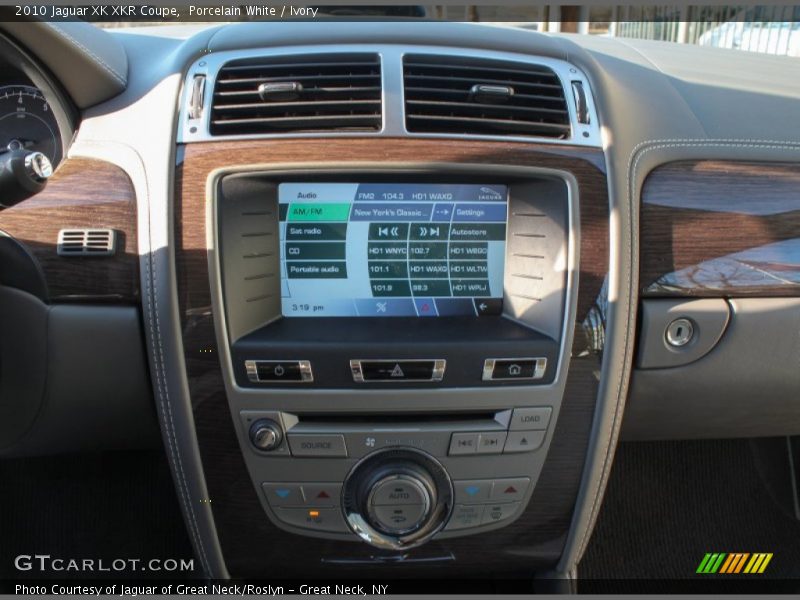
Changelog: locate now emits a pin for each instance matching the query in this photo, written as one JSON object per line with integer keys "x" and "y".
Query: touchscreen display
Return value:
{"x": 392, "y": 249}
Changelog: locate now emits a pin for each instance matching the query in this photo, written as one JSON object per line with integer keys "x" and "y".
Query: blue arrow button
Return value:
{"x": 472, "y": 490}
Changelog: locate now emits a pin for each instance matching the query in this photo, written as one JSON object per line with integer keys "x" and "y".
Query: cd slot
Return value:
{"x": 498, "y": 420}
{"x": 357, "y": 436}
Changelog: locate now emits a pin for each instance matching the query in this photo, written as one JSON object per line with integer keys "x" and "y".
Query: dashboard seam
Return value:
{"x": 97, "y": 59}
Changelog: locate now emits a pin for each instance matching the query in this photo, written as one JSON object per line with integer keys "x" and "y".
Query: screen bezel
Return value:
{"x": 280, "y": 333}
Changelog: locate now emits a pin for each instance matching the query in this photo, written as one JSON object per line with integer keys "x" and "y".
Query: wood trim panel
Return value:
{"x": 251, "y": 545}
{"x": 721, "y": 228}
{"x": 83, "y": 193}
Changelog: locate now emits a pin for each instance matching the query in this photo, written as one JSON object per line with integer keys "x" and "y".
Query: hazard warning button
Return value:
{"x": 399, "y": 370}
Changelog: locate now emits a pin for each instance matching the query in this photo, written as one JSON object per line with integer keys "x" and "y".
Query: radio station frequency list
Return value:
{"x": 392, "y": 249}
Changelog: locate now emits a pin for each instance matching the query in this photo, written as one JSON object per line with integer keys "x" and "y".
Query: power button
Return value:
{"x": 279, "y": 371}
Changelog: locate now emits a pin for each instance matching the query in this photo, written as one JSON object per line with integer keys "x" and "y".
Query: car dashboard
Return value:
{"x": 390, "y": 294}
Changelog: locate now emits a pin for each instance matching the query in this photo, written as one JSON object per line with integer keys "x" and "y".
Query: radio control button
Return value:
{"x": 509, "y": 369}
{"x": 289, "y": 371}
{"x": 319, "y": 519}
{"x": 491, "y": 442}
{"x": 488, "y": 306}
{"x": 494, "y": 513}
{"x": 465, "y": 516}
{"x": 283, "y": 494}
{"x": 464, "y": 443}
{"x": 529, "y": 419}
{"x": 472, "y": 491}
{"x": 319, "y": 445}
{"x": 524, "y": 441}
{"x": 322, "y": 494}
{"x": 507, "y": 490}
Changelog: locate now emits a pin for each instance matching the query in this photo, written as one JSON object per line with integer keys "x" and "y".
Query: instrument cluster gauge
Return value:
{"x": 27, "y": 122}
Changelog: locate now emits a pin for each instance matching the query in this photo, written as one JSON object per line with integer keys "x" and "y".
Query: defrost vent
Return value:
{"x": 297, "y": 94}
{"x": 86, "y": 242}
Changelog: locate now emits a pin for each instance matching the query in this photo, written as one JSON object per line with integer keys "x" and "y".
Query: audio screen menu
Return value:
{"x": 392, "y": 250}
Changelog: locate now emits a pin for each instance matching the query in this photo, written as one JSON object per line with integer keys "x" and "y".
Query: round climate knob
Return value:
{"x": 265, "y": 435}
{"x": 397, "y": 498}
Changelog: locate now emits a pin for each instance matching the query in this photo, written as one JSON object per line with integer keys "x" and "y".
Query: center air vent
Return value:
{"x": 464, "y": 95}
{"x": 298, "y": 94}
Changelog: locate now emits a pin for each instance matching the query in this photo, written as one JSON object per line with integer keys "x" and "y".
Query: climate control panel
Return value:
{"x": 396, "y": 483}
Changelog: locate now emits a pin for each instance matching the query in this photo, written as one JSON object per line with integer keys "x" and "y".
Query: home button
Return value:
{"x": 499, "y": 369}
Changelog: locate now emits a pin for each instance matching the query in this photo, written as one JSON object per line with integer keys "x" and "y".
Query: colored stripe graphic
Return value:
{"x": 734, "y": 563}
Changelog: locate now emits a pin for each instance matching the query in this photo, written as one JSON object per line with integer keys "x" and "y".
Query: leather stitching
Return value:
{"x": 97, "y": 59}
{"x": 166, "y": 407}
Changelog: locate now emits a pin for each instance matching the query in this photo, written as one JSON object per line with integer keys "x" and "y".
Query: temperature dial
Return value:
{"x": 397, "y": 498}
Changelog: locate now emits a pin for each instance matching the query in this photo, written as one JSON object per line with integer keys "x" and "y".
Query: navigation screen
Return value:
{"x": 392, "y": 250}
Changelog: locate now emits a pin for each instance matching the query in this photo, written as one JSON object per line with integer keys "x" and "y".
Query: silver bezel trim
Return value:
{"x": 437, "y": 374}
{"x": 393, "y": 97}
{"x": 538, "y": 370}
{"x": 306, "y": 374}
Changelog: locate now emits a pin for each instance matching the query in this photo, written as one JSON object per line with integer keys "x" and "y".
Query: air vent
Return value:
{"x": 86, "y": 242}
{"x": 464, "y": 95}
{"x": 298, "y": 94}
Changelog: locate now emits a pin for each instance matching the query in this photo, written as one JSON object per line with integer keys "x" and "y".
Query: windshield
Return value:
{"x": 765, "y": 29}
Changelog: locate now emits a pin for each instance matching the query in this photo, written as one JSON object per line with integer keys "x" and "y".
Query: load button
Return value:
{"x": 530, "y": 419}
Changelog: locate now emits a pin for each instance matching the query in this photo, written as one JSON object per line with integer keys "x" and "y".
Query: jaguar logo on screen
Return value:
{"x": 490, "y": 194}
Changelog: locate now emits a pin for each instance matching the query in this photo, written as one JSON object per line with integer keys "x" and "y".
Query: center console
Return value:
{"x": 382, "y": 351}
{"x": 397, "y": 341}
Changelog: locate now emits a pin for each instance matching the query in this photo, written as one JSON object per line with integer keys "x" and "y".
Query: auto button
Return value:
{"x": 395, "y": 491}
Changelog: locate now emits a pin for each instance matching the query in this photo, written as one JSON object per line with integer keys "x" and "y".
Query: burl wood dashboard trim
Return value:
{"x": 251, "y": 545}
{"x": 722, "y": 229}
{"x": 83, "y": 193}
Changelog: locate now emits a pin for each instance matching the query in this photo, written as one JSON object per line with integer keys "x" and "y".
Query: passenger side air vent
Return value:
{"x": 298, "y": 94}
{"x": 465, "y": 95}
{"x": 86, "y": 242}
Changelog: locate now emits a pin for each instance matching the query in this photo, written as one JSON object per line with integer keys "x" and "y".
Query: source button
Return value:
{"x": 322, "y": 445}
